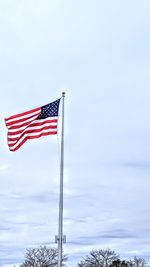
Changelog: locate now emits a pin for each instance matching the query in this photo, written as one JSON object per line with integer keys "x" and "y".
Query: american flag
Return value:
{"x": 32, "y": 124}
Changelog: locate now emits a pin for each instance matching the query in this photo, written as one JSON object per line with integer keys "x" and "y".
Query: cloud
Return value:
{"x": 112, "y": 234}
{"x": 4, "y": 167}
{"x": 143, "y": 165}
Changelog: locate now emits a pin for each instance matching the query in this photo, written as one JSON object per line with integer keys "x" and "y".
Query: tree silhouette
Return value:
{"x": 137, "y": 262}
{"x": 99, "y": 258}
{"x": 42, "y": 257}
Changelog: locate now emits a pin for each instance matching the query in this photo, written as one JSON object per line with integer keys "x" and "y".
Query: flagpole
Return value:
{"x": 60, "y": 226}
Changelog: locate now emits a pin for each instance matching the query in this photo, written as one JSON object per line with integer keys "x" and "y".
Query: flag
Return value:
{"x": 32, "y": 124}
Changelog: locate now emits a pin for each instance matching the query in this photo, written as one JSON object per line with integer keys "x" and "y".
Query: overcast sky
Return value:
{"x": 99, "y": 51}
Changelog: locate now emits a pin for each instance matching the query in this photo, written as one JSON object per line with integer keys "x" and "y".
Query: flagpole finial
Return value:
{"x": 63, "y": 94}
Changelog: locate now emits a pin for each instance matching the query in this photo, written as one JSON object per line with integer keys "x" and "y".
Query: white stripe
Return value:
{"x": 19, "y": 123}
{"x": 32, "y": 127}
{"x": 33, "y": 134}
{"x": 23, "y": 117}
{"x": 30, "y": 124}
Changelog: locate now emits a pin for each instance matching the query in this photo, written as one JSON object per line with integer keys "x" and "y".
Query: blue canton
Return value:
{"x": 50, "y": 110}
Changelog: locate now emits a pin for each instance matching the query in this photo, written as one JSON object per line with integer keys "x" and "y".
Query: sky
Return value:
{"x": 99, "y": 53}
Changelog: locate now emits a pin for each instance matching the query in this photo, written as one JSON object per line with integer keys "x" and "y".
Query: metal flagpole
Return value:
{"x": 60, "y": 238}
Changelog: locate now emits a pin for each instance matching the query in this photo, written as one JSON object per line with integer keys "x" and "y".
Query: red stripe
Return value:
{"x": 12, "y": 144}
{"x": 31, "y": 137}
{"x": 22, "y": 114}
{"x": 32, "y": 123}
{"x": 21, "y": 120}
{"x": 30, "y": 131}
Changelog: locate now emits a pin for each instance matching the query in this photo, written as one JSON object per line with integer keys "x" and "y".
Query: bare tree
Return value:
{"x": 119, "y": 263}
{"x": 42, "y": 257}
{"x": 99, "y": 258}
{"x": 137, "y": 262}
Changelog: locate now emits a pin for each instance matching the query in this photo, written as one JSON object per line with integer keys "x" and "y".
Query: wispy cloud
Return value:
{"x": 143, "y": 165}
{"x": 112, "y": 234}
{"x": 4, "y": 167}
